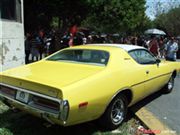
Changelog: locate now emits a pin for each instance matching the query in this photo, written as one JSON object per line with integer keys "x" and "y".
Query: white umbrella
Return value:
{"x": 155, "y": 31}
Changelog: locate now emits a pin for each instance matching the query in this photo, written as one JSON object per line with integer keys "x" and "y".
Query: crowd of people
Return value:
{"x": 37, "y": 45}
{"x": 41, "y": 43}
{"x": 163, "y": 47}
{"x": 159, "y": 46}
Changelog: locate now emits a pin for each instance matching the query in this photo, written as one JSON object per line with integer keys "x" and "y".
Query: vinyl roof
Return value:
{"x": 125, "y": 47}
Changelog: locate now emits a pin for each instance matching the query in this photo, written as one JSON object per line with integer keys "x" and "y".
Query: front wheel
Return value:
{"x": 115, "y": 113}
{"x": 169, "y": 86}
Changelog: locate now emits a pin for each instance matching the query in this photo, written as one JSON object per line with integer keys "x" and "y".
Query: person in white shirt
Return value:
{"x": 171, "y": 49}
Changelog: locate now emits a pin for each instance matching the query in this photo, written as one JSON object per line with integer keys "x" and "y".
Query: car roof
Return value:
{"x": 125, "y": 47}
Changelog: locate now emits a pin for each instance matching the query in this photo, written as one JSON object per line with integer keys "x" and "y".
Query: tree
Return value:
{"x": 40, "y": 13}
{"x": 160, "y": 7}
{"x": 169, "y": 21}
{"x": 115, "y": 16}
{"x": 120, "y": 16}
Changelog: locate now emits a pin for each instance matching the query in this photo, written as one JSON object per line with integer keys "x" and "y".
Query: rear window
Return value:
{"x": 84, "y": 56}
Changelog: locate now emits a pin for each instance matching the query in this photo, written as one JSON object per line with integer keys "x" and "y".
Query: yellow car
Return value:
{"x": 86, "y": 83}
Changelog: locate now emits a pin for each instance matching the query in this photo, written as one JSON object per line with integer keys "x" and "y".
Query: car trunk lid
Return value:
{"x": 48, "y": 77}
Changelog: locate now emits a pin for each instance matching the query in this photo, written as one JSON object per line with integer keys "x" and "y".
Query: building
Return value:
{"x": 11, "y": 34}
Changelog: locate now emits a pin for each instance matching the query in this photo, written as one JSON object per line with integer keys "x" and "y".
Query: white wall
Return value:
{"x": 11, "y": 44}
{"x": 1, "y": 52}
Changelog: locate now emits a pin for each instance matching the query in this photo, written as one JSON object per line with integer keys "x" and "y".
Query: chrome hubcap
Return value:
{"x": 170, "y": 84}
{"x": 117, "y": 113}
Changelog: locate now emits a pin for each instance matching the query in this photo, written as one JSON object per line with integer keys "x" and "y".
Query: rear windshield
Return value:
{"x": 85, "y": 56}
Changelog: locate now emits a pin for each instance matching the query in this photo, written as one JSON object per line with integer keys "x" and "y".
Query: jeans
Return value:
{"x": 170, "y": 59}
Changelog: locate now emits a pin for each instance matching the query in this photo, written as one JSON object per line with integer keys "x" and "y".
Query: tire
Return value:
{"x": 115, "y": 113}
{"x": 169, "y": 86}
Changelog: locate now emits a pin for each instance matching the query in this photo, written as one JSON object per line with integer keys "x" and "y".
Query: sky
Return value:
{"x": 164, "y": 4}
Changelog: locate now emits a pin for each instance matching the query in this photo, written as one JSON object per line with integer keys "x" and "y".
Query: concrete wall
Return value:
{"x": 1, "y": 50}
{"x": 11, "y": 44}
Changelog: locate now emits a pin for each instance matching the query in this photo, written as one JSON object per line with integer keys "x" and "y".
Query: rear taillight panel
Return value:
{"x": 8, "y": 91}
{"x": 35, "y": 100}
{"x": 46, "y": 103}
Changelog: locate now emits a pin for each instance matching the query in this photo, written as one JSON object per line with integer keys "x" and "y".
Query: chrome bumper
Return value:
{"x": 8, "y": 100}
{"x": 46, "y": 114}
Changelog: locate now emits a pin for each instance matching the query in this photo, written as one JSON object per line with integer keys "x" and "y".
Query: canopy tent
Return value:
{"x": 155, "y": 32}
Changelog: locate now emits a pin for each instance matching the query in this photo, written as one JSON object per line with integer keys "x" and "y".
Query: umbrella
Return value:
{"x": 155, "y": 31}
{"x": 80, "y": 33}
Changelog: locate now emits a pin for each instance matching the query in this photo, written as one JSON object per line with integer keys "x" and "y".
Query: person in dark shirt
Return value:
{"x": 41, "y": 45}
{"x": 78, "y": 39}
{"x": 35, "y": 43}
{"x": 27, "y": 47}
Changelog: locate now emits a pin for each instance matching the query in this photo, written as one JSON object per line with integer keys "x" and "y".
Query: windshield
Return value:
{"x": 95, "y": 57}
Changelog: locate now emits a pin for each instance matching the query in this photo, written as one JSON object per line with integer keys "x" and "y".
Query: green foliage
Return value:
{"x": 55, "y": 22}
{"x": 169, "y": 22}
{"x": 115, "y": 16}
{"x": 41, "y": 13}
{"x": 4, "y": 131}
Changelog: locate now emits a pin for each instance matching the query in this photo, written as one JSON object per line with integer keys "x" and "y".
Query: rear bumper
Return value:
{"x": 14, "y": 103}
{"x": 50, "y": 116}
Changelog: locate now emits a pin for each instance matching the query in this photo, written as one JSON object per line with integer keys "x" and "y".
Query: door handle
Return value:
{"x": 147, "y": 71}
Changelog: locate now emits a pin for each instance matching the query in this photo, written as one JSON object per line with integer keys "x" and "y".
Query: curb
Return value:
{"x": 153, "y": 123}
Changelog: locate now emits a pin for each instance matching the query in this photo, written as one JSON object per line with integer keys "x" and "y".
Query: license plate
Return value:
{"x": 22, "y": 96}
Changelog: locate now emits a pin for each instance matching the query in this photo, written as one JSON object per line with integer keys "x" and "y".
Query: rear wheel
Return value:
{"x": 169, "y": 86}
{"x": 115, "y": 113}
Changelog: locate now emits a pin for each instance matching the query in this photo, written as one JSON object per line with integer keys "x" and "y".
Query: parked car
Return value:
{"x": 85, "y": 83}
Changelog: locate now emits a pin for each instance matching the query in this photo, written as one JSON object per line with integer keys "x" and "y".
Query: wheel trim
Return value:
{"x": 117, "y": 113}
{"x": 170, "y": 84}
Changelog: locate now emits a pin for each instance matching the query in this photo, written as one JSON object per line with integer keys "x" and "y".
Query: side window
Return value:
{"x": 133, "y": 54}
{"x": 142, "y": 57}
{"x": 11, "y": 10}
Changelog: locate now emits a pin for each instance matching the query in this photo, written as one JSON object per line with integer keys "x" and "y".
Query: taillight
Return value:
{"x": 49, "y": 104}
{"x": 8, "y": 91}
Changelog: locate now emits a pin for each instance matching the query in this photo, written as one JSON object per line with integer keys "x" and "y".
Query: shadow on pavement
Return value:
{"x": 25, "y": 124}
{"x": 146, "y": 101}
{"x": 20, "y": 123}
